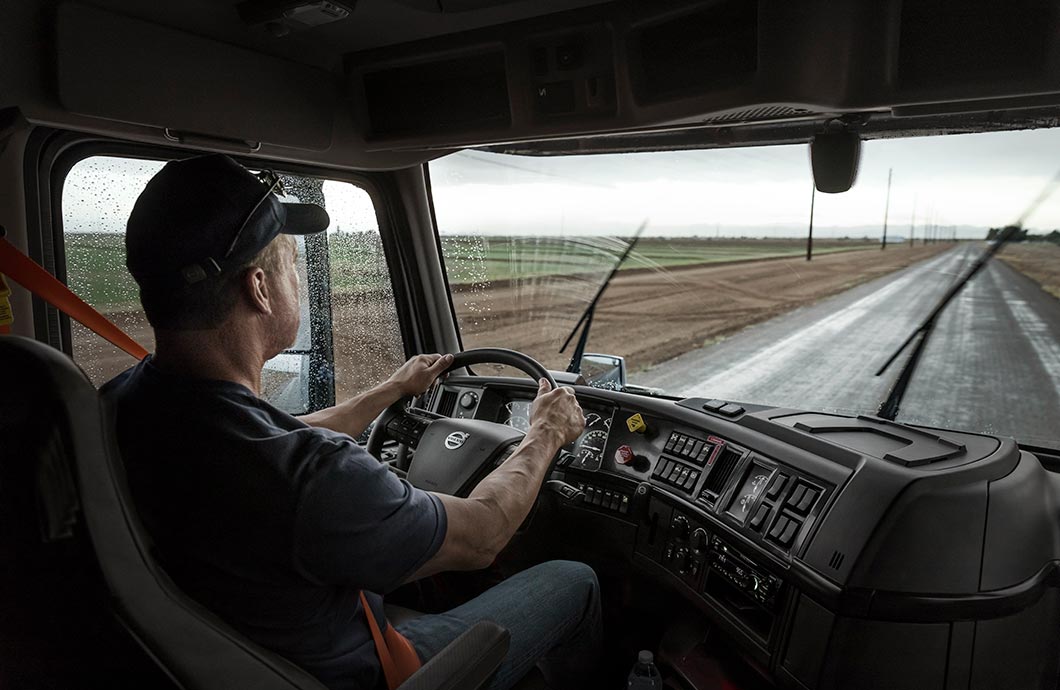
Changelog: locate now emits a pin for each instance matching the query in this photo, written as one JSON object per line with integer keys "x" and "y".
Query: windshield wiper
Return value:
{"x": 586, "y": 319}
{"x": 889, "y": 408}
{"x": 919, "y": 337}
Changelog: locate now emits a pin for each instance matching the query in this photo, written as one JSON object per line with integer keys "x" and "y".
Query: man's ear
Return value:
{"x": 256, "y": 290}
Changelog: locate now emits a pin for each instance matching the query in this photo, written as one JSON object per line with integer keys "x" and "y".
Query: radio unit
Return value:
{"x": 748, "y": 578}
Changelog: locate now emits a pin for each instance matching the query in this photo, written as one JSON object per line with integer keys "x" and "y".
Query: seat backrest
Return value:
{"x": 193, "y": 646}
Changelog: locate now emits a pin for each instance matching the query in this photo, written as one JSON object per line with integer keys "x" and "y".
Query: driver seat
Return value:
{"x": 190, "y": 644}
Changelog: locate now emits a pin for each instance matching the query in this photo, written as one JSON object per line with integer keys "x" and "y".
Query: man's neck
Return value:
{"x": 223, "y": 354}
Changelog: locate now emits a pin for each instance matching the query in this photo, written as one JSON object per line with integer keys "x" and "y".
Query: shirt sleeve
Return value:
{"x": 360, "y": 525}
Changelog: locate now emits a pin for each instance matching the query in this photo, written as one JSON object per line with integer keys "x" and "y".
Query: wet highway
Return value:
{"x": 992, "y": 363}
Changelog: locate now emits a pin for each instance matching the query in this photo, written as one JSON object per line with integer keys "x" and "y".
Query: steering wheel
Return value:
{"x": 454, "y": 452}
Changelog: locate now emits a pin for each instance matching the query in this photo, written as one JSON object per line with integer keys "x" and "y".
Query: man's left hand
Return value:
{"x": 416, "y": 375}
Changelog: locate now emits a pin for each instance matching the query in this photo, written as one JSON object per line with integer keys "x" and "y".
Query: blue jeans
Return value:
{"x": 552, "y": 612}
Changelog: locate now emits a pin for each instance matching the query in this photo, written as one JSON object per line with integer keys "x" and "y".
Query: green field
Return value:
{"x": 96, "y": 261}
{"x": 480, "y": 259}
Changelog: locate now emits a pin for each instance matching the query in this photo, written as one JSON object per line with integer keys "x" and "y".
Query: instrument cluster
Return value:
{"x": 588, "y": 449}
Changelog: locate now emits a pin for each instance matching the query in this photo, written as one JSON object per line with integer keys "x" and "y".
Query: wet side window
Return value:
{"x": 348, "y": 338}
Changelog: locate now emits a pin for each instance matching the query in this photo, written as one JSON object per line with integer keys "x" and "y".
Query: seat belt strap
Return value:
{"x": 32, "y": 276}
{"x": 396, "y": 654}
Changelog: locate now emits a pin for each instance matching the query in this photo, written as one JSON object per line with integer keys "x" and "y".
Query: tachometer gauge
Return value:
{"x": 591, "y": 420}
{"x": 590, "y": 450}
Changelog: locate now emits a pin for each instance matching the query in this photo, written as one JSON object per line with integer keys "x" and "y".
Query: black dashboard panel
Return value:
{"x": 827, "y": 547}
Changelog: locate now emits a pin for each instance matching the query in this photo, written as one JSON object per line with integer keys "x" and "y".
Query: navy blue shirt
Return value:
{"x": 272, "y": 524}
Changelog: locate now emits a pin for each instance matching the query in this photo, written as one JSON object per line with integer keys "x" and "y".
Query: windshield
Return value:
{"x": 719, "y": 300}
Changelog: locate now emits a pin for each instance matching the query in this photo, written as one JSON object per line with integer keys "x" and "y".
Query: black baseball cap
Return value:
{"x": 202, "y": 216}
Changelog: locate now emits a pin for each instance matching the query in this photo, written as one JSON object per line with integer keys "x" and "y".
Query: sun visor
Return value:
{"x": 125, "y": 69}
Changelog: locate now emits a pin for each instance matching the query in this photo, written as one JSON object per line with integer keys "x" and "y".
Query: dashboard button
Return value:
{"x": 760, "y": 516}
{"x": 807, "y": 500}
{"x": 777, "y": 485}
{"x": 714, "y": 405}
{"x": 670, "y": 442}
{"x": 693, "y": 477}
{"x": 779, "y": 526}
{"x": 731, "y": 410}
{"x": 788, "y": 534}
{"x": 663, "y": 467}
{"x": 675, "y": 472}
{"x": 796, "y": 495}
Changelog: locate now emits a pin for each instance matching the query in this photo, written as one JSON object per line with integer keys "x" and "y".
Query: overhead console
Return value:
{"x": 645, "y": 65}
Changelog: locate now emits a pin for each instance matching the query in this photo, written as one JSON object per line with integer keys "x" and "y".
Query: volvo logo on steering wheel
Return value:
{"x": 455, "y": 440}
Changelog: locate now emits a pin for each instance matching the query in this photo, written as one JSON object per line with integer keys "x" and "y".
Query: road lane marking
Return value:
{"x": 1037, "y": 332}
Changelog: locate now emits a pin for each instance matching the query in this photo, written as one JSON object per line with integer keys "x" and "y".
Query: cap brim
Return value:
{"x": 305, "y": 219}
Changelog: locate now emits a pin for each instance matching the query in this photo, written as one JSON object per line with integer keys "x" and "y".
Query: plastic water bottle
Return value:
{"x": 644, "y": 675}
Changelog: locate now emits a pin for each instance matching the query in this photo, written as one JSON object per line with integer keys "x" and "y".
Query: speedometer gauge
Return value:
{"x": 590, "y": 450}
{"x": 517, "y": 415}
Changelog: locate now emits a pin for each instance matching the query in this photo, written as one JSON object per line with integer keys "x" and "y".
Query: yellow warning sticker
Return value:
{"x": 636, "y": 424}
{"x": 6, "y": 315}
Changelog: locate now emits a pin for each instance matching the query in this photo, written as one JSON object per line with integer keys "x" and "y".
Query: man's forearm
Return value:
{"x": 353, "y": 416}
{"x": 511, "y": 489}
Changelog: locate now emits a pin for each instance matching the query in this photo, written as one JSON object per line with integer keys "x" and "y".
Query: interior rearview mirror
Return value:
{"x": 834, "y": 157}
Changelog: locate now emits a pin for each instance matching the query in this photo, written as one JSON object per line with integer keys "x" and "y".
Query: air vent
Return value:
{"x": 447, "y": 403}
{"x": 766, "y": 112}
{"x": 723, "y": 469}
{"x": 836, "y": 561}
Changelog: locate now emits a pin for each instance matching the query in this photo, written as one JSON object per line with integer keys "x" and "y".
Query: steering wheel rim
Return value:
{"x": 481, "y": 355}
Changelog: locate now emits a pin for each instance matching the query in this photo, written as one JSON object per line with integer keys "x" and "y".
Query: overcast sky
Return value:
{"x": 977, "y": 180}
{"x": 972, "y": 180}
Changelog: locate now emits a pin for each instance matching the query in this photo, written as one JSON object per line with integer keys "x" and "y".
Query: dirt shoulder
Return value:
{"x": 1039, "y": 261}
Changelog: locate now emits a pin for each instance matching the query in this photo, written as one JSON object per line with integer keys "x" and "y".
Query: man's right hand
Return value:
{"x": 557, "y": 414}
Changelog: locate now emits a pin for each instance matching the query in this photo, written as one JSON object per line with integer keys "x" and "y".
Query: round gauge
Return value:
{"x": 518, "y": 414}
{"x": 745, "y": 503}
{"x": 758, "y": 482}
{"x": 591, "y": 420}
{"x": 590, "y": 450}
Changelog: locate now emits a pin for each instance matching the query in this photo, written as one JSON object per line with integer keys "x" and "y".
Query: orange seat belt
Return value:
{"x": 396, "y": 654}
{"x": 32, "y": 276}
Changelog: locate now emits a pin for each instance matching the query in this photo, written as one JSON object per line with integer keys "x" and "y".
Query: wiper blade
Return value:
{"x": 586, "y": 319}
{"x": 918, "y": 338}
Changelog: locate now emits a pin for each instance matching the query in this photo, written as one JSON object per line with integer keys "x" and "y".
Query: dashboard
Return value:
{"x": 833, "y": 551}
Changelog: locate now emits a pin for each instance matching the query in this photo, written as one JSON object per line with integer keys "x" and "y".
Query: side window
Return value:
{"x": 348, "y": 339}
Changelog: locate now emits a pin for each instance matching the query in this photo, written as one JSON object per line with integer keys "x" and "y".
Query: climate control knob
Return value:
{"x": 680, "y": 528}
{"x": 700, "y": 539}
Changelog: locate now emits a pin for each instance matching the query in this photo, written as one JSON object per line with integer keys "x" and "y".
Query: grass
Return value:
{"x": 96, "y": 261}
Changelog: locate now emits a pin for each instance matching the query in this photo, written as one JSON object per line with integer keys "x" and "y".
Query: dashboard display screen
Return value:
{"x": 753, "y": 485}
{"x": 588, "y": 450}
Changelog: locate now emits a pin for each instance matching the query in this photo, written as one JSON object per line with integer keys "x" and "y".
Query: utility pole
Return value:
{"x": 912, "y": 224}
{"x": 809, "y": 237}
{"x": 886, "y": 208}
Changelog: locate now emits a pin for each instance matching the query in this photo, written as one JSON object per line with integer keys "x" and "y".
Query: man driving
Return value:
{"x": 284, "y": 526}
